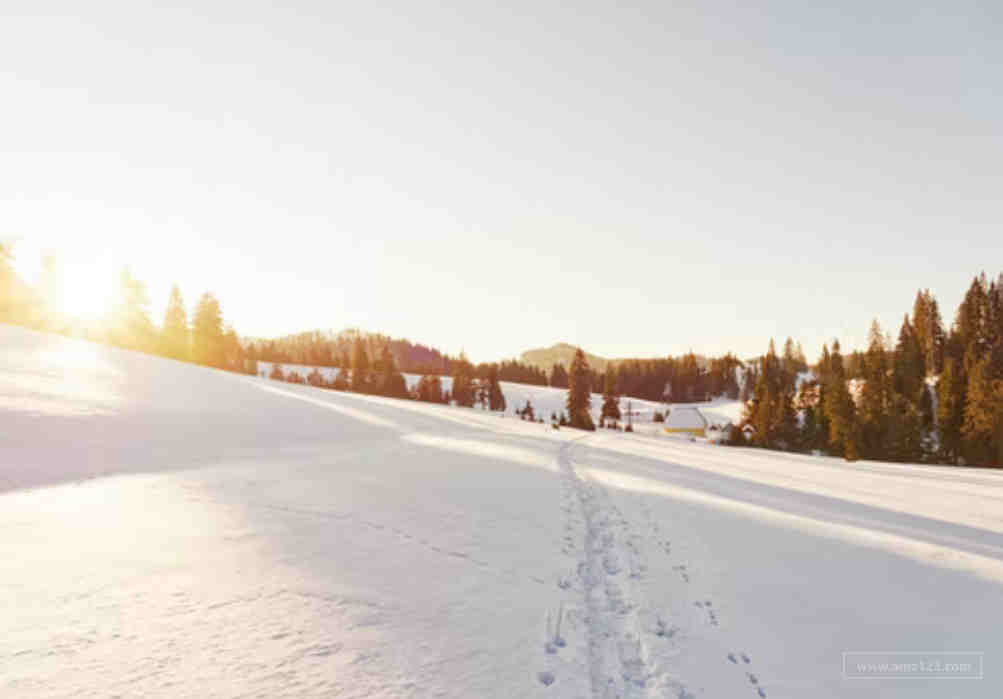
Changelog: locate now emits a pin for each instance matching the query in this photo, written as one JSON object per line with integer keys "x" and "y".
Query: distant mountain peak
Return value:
{"x": 559, "y": 353}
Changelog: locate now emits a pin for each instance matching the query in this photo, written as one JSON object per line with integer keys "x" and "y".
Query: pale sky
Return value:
{"x": 496, "y": 177}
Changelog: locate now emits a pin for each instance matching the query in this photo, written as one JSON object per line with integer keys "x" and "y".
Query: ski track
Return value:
{"x": 607, "y": 634}
{"x": 604, "y": 602}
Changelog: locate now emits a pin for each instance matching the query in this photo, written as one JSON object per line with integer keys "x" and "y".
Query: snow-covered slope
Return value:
{"x": 201, "y": 534}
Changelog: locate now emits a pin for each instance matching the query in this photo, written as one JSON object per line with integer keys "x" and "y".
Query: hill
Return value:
{"x": 561, "y": 353}
{"x": 226, "y": 535}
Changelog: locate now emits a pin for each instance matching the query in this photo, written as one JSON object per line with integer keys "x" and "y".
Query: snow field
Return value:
{"x": 168, "y": 530}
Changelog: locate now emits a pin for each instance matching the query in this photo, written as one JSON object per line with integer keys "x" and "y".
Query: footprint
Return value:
{"x": 662, "y": 630}
{"x": 746, "y": 659}
{"x": 762, "y": 692}
{"x": 546, "y": 678}
{"x": 752, "y": 678}
{"x": 732, "y": 658}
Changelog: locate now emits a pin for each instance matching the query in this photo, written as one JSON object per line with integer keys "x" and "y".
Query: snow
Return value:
{"x": 685, "y": 418}
{"x": 168, "y": 530}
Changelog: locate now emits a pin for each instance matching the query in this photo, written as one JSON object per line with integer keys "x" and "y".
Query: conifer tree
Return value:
{"x": 909, "y": 370}
{"x": 982, "y": 413}
{"x": 392, "y": 382}
{"x": 771, "y": 411}
{"x": 207, "y": 332}
{"x": 610, "y": 401}
{"x": 558, "y": 376}
{"x": 527, "y": 411}
{"x": 760, "y": 410}
{"x": 175, "y": 333}
{"x": 429, "y": 389}
{"x": 933, "y": 345}
{"x": 950, "y": 408}
{"x": 496, "y": 399}
{"x": 360, "y": 367}
{"x": 130, "y": 324}
{"x": 872, "y": 411}
{"x": 970, "y": 334}
{"x": 315, "y": 378}
{"x": 840, "y": 409}
{"x": 790, "y": 365}
{"x": 463, "y": 382}
{"x": 806, "y": 403}
{"x": 821, "y": 417}
{"x": 905, "y": 431}
{"x": 342, "y": 380}
{"x": 233, "y": 351}
{"x": 579, "y": 401}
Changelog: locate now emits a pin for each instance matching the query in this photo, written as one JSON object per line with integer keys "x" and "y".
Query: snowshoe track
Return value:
{"x": 611, "y": 564}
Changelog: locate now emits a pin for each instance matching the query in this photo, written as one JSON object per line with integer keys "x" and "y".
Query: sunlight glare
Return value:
{"x": 88, "y": 290}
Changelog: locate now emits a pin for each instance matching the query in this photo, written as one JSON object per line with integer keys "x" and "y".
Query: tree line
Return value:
{"x": 329, "y": 349}
{"x": 203, "y": 338}
{"x": 381, "y": 376}
{"x": 684, "y": 379}
{"x": 935, "y": 394}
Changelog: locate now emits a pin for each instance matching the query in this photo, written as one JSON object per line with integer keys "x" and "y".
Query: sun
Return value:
{"x": 88, "y": 290}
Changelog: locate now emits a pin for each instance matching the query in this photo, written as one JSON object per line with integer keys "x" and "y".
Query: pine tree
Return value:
{"x": 872, "y": 414}
{"x": 558, "y": 376}
{"x": 429, "y": 389}
{"x": 934, "y": 345}
{"x": 611, "y": 401}
{"x": 579, "y": 401}
{"x": 233, "y": 351}
{"x": 496, "y": 399}
{"x": 791, "y": 366}
{"x": 527, "y": 411}
{"x": 762, "y": 413}
{"x": 463, "y": 382}
{"x": 130, "y": 324}
{"x": 315, "y": 378}
{"x": 970, "y": 323}
{"x": 771, "y": 411}
{"x": 994, "y": 328}
{"x": 950, "y": 408}
{"x": 207, "y": 333}
{"x": 983, "y": 410}
{"x": 342, "y": 381}
{"x": 905, "y": 431}
{"x": 840, "y": 409}
{"x": 361, "y": 382}
{"x": 909, "y": 367}
{"x": 807, "y": 404}
{"x": 392, "y": 382}
{"x": 175, "y": 333}
{"x": 821, "y": 417}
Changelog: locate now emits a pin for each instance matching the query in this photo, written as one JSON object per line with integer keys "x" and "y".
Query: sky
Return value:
{"x": 492, "y": 177}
